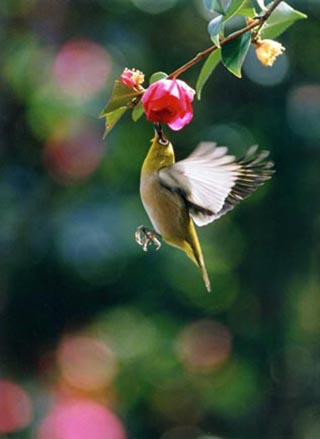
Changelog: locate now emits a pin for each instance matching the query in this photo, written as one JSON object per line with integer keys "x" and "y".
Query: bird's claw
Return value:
{"x": 145, "y": 237}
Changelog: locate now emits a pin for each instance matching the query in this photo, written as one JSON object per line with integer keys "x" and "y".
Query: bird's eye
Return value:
{"x": 163, "y": 141}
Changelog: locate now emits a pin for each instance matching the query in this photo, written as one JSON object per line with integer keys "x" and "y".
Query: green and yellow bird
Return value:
{"x": 197, "y": 190}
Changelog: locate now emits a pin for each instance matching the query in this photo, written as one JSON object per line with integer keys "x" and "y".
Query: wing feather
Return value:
{"x": 212, "y": 182}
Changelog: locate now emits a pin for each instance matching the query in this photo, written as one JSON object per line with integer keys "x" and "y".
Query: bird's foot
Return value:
{"x": 145, "y": 237}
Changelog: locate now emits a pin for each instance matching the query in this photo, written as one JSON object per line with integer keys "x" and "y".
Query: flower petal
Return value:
{"x": 181, "y": 122}
{"x": 169, "y": 101}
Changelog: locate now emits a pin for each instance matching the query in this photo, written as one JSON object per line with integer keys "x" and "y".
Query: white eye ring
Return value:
{"x": 163, "y": 141}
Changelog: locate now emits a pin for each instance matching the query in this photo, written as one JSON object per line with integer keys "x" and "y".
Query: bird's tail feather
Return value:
{"x": 205, "y": 277}
{"x": 193, "y": 250}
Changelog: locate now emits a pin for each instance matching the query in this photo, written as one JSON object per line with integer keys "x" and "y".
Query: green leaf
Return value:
{"x": 207, "y": 69}
{"x": 207, "y": 4}
{"x": 216, "y": 26}
{"x": 247, "y": 11}
{"x": 112, "y": 118}
{"x": 229, "y": 8}
{"x": 157, "y": 76}
{"x": 282, "y": 18}
{"x": 122, "y": 95}
{"x": 261, "y": 5}
{"x": 137, "y": 111}
{"x": 233, "y": 53}
{"x": 235, "y": 7}
{"x": 220, "y": 6}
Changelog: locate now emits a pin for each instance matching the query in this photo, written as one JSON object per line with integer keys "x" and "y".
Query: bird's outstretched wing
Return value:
{"x": 213, "y": 182}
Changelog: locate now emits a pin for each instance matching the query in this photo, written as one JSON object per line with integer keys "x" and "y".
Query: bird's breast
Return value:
{"x": 165, "y": 209}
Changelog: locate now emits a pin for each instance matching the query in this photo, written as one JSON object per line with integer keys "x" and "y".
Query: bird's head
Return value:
{"x": 159, "y": 137}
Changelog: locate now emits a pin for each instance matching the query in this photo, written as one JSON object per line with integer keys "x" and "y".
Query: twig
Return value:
{"x": 257, "y": 21}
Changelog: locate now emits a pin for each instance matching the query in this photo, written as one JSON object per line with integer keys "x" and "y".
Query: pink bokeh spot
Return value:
{"x": 15, "y": 407}
{"x": 73, "y": 152}
{"x": 81, "y": 420}
{"x": 85, "y": 362}
{"x": 81, "y": 69}
{"x": 204, "y": 345}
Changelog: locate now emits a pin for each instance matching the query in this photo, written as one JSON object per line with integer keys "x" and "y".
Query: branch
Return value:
{"x": 257, "y": 21}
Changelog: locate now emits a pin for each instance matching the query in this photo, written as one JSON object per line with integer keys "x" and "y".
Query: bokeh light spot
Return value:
{"x": 267, "y": 76}
{"x": 91, "y": 240}
{"x": 81, "y": 68}
{"x": 154, "y": 7}
{"x": 130, "y": 333}
{"x": 26, "y": 67}
{"x": 232, "y": 134}
{"x": 81, "y": 420}
{"x": 303, "y": 109}
{"x": 15, "y": 407}
{"x": 233, "y": 391}
{"x": 73, "y": 151}
{"x": 307, "y": 424}
{"x": 204, "y": 344}
{"x": 86, "y": 362}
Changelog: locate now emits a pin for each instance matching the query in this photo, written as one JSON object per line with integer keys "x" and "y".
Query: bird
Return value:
{"x": 195, "y": 191}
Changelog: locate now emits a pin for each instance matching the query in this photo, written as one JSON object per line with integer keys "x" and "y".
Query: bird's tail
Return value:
{"x": 193, "y": 250}
{"x": 205, "y": 276}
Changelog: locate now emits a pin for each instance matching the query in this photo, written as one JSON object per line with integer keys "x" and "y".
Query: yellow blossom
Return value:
{"x": 267, "y": 51}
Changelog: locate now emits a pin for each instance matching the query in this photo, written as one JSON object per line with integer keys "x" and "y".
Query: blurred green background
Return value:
{"x": 99, "y": 340}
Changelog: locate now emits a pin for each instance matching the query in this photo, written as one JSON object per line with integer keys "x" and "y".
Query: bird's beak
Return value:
{"x": 158, "y": 130}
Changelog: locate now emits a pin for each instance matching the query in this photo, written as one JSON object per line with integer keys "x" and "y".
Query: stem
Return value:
{"x": 258, "y": 21}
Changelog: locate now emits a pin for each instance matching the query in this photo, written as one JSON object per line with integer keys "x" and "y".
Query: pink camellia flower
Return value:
{"x": 132, "y": 78}
{"x": 169, "y": 101}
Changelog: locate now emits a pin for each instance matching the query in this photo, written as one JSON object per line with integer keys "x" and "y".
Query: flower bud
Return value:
{"x": 168, "y": 101}
{"x": 132, "y": 78}
{"x": 267, "y": 51}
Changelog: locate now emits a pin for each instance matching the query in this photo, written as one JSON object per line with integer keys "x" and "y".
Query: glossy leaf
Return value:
{"x": 122, "y": 95}
{"x": 233, "y": 53}
{"x": 220, "y": 6}
{"x": 216, "y": 26}
{"x": 112, "y": 118}
{"x": 247, "y": 12}
{"x": 282, "y": 18}
{"x": 235, "y": 7}
{"x": 207, "y": 4}
{"x": 157, "y": 76}
{"x": 261, "y": 5}
{"x": 137, "y": 111}
{"x": 208, "y": 67}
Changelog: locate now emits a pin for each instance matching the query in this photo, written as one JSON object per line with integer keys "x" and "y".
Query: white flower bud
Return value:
{"x": 267, "y": 51}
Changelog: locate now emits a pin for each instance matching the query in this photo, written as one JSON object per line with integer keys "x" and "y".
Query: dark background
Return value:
{"x": 85, "y": 314}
